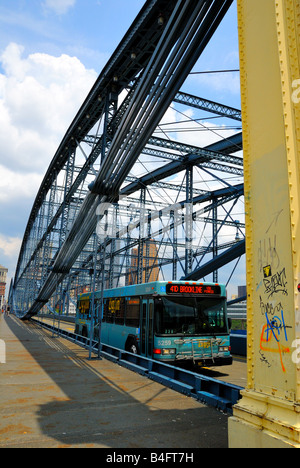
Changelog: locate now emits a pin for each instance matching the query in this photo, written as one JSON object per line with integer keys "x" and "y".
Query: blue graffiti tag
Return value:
{"x": 275, "y": 326}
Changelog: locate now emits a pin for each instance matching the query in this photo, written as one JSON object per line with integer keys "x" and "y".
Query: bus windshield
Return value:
{"x": 190, "y": 316}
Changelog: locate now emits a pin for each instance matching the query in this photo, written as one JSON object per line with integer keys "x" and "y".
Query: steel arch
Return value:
{"x": 115, "y": 128}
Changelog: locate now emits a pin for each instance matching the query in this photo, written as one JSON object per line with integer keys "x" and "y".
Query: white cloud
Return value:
{"x": 9, "y": 251}
{"x": 10, "y": 246}
{"x": 60, "y": 7}
{"x": 221, "y": 82}
{"x": 16, "y": 186}
{"x": 39, "y": 97}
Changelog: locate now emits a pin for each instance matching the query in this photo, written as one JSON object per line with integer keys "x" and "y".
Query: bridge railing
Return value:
{"x": 221, "y": 395}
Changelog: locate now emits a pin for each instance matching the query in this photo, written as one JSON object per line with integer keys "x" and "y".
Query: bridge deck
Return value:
{"x": 53, "y": 396}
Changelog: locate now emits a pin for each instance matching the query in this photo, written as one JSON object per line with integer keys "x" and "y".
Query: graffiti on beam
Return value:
{"x": 274, "y": 334}
{"x": 276, "y": 284}
{"x": 274, "y": 338}
{"x": 268, "y": 254}
{"x": 275, "y": 331}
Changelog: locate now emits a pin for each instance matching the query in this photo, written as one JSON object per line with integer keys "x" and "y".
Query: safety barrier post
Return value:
{"x": 268, "y": 415}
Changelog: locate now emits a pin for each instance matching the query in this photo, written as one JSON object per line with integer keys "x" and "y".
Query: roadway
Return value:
{"x": 235, "y": 374}
{"x": 53, "y": 396}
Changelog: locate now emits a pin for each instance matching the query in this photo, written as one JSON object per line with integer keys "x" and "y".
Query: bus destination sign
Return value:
{"x": 193, "y": 289}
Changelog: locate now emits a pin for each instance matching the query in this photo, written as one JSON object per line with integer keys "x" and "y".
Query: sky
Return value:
{"x": 51, "y": 52}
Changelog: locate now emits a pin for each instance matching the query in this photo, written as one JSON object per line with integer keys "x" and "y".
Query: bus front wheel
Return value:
{"x": 133, "y": 349}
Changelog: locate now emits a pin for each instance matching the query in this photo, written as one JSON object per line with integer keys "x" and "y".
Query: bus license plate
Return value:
{"x": 204, "y": 345}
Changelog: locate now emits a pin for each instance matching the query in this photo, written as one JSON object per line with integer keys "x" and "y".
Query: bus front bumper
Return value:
{"x": 201, "y": 362}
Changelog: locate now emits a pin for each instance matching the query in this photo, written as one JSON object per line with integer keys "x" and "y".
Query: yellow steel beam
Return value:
{"x": 269, "y": 413}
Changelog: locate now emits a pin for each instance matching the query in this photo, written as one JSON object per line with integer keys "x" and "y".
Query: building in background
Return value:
{"x": 3, "y": 277}
{"x": 150, "y": 264}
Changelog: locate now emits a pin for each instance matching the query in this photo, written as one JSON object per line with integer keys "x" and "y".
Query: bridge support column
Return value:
{"x": 268, "y": 415}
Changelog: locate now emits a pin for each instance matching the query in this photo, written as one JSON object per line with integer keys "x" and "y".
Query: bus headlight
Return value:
{"x": 167, "y": 352}
{"x": 224, "y": 349}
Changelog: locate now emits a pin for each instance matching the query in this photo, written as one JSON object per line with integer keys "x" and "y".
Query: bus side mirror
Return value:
{"x": 229, "y": 323}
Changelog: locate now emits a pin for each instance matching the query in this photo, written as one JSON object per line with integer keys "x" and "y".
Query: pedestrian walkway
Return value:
{"x": 53, "y": 396}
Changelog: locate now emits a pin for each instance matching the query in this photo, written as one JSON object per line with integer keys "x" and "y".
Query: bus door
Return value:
{"x": 146, "y": 337}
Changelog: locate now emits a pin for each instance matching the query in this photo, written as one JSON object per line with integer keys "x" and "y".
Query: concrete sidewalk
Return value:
{"x": 53, "y": 396}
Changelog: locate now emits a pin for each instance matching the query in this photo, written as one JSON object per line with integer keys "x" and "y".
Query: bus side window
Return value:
{"x": 132, "y": 312}
{"x": 84, "y": 307}
{"x": 120, "y": 311}
{"x": 158, "y": 315}
{"x": 111, "y": 311}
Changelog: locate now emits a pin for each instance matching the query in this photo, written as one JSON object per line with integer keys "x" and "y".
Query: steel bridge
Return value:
{"x": 120, "y": 203}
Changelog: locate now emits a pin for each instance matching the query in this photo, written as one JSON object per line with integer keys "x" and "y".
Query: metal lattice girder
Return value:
{"x": 205, "y": 104}
{"x": 206, "y": 153}
{"x": 174, "y": 219}
{"x": 195, "y": 157}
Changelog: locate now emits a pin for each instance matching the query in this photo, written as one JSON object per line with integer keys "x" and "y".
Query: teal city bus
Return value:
{"x": 173, "y": 322}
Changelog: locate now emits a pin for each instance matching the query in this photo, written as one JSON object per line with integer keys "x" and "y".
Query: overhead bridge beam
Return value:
{"x": 210, "y": 106}
{"x": 226, "y": 257}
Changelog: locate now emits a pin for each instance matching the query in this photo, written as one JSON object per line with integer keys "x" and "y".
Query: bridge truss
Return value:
{"x": 123, "y": 201}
